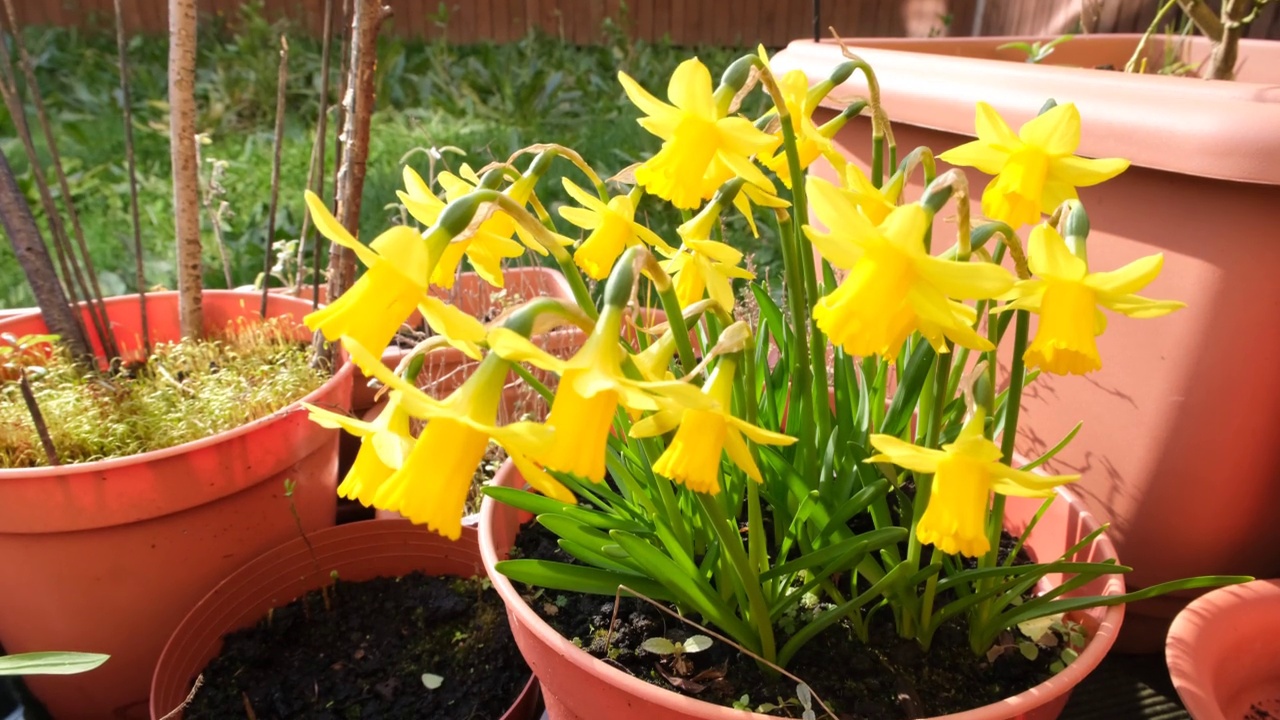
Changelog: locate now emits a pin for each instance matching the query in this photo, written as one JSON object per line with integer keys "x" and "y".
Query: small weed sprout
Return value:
{"x": 677, "y": 649}
{"x": 1036, "y": 51}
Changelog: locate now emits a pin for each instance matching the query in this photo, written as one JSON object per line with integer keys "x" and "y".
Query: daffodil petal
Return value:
{"x": 1055, "y": 131}
{"x": 332, "y": 420}
{"x": 578, "y": 217}
{"x": 1084, "y": 172}
{"x": 329, "y": 226}
{"x": 453, "y": 324}
{"x": 976, "y": 154}
{"x": 835, "y": 250}
{"x": 1128, "y": 279}
{"x": 904, "y": 454}
{"x": 1049, "y": 256}
{"x": 760, "y": 435}
{"x": 510, "y": 345}
{"x": 690, "y": 89}
{"x": 740, "y": 454}
{"x": 582, "y": 197}
{"x": 1136, "y": 306}
{"x": 414, "y": 400}
{"x": 971, "y": 280}
{"x": 992, "y": 128}
{"x": 660, "y": 423}
{"x": 1021, "y": 483}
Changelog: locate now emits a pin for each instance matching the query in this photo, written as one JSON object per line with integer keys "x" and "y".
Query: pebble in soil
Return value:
{"x": 888, "y": 678}
{"x": 366, "y": 656}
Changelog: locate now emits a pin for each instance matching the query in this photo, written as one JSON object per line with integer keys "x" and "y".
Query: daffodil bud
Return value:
{"x": 621, "y": 282}
{"x": 456, "y": 216}
{"x": 936, "y": 195}
{"x": 1076, "y": 230}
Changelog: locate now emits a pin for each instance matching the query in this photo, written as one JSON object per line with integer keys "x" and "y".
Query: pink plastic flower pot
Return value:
{"x": 576, "y": 685}
{"x": 1222, "y": 653}
{"x": 108, "y": 556}
{"x": 356, "y": 551}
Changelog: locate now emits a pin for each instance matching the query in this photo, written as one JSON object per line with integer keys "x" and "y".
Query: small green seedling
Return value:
{"x": 50, "y": 663}
{"x": 431, "y": 681}
{"x": 677, "y": 650}
{"x": 1036, "y": 51}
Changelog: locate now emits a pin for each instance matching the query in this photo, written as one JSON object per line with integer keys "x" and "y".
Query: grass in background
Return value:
{"x": 488, "y": 100}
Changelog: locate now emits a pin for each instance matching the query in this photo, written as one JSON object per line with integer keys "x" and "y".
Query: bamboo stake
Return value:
{"x": 315, "y": 174}
{"x": 140, "y": 276}
{"x": 281, "y": 81}
{"x": 186, "y": 180}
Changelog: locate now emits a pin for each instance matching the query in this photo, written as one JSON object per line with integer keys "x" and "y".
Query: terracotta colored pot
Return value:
{"x": 357, "y": 552}
{"x": 1222, "y": 653}
{"x": 1167, "y": 411}
{"x": 108, "y": 556}
{"x": 575, "y": 684}
{"x": 445, "y": 369}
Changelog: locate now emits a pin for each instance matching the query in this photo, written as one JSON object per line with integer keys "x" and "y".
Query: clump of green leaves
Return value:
{"x": 1037, "y": 51}
{"x": 183, "y": 392}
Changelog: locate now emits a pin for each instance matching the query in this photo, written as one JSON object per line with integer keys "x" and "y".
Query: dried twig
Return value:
{"x": 315, "y": 174}
{"x": 281, "y": 81}
{"x": 37, "y": 418}
{"x": 617, "y": 597}
{"x": 140, "y": 277}
{"x": 190, "y": 696}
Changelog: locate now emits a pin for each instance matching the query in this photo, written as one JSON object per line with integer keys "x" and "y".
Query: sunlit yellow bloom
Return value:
{"x": 702, "y": 147}
{"x": 431, "y": 484}
{"x": 613, "y": 229}
{"x": 374, "y": 307}
{"x": 706, "y": 432}
{"x": 893, "y": 286}
{"x": 384, "y": 443}
{"x": 1067, "y": 297}
{"x": 488, "y": 246}
{"x": 811, "y": 142}
{"x": 591, "y": 388}
{"x": 965, "y": 473}
{"x": 750, "y": 194}
{"x": 654, "y": 362}
{"x": 703, "y": 266}
{"x": 873, "y": 202}
{"x": 1037, "y": 169}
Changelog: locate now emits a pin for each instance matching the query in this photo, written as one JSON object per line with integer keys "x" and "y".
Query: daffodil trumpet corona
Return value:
{"x": 826, "y": 423}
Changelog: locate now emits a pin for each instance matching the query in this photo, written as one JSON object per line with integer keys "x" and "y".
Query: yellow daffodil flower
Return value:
{"x": 613, "y": 229}
{"x": 591, "y": 388}
{"x": 965, "y": 473}
{"x": 1067, "y": 297}
{"x": 893, "y": 286}
{"x": 491, "y": 242}
{"x": 704, "y": 266}
{"x": 1035, "y": 170}
{"x": 873, "y": 202}
{"x": 811, "y": 142}
{"x": 707, "y": 432}
{"x": 384, "y": 443}
{"x": 702, "y": 148}
{"x": 375, "y": 306}
{"x": 431, "y": 484}
{"x": 750, "y": 194}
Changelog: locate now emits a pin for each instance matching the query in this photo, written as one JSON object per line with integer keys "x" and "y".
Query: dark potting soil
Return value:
{"x": 889, "y": 678}
{"x": 371, "y": 655}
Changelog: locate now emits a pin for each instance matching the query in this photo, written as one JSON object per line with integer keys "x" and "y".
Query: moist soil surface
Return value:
{"x": 367, "y": 654}
{"x": 889, "y": 678}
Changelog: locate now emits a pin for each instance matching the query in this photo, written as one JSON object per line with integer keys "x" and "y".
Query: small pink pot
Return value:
{"x": 1222, "y": 653}
{"x": 576, "y": 685}
{"x": 356, "y": 551}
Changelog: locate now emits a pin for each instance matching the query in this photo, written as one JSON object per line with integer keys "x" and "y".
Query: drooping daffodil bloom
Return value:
{"x": 431, "y": 485}
{"x": 613, "y": 229}
{"x": 591, "y": 388}
{"x": 1068, "y": 297}
{"x": 379, "y": 302}
{"x": 702, "y": 148}
{"x": 487, "y": 246}
{"x": 705, "y": 433}
{"x": 893, "y": 286}
{"x": 702, "y": 266}
{"x": 384, "y": 443}
{"x": 1035, "y": 170}
{"x": 812, "y": 142}
{"x": 965, "y": 473}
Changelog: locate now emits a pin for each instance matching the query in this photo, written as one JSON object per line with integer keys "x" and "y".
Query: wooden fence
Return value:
{"x": 684, "y": 22}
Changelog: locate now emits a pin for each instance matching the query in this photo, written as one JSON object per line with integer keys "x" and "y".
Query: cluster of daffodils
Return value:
{"x": 866, "y": 386}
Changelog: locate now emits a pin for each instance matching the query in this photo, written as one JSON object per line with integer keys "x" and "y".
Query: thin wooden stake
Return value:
{"x": 315, "y": 174}
{"x": 29, "y": 248}
{"x": 140, "y": 276}
{"x": 281, "y": 81}
{"x": 183, "y": 163}
{"x": 37, "y": 418}
{"x": 94, "y": 301}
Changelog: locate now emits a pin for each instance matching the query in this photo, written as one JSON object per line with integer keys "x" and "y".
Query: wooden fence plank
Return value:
{"x": 685, "y": 22}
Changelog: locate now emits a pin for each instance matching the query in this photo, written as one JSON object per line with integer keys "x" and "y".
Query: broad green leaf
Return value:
{"x": 540, "y": 504}
{"x": 908, "y": 392}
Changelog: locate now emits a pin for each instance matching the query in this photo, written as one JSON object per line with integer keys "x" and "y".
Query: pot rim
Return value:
{"x": 98, "y": 467}
{"x": 1099, "y": 644}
